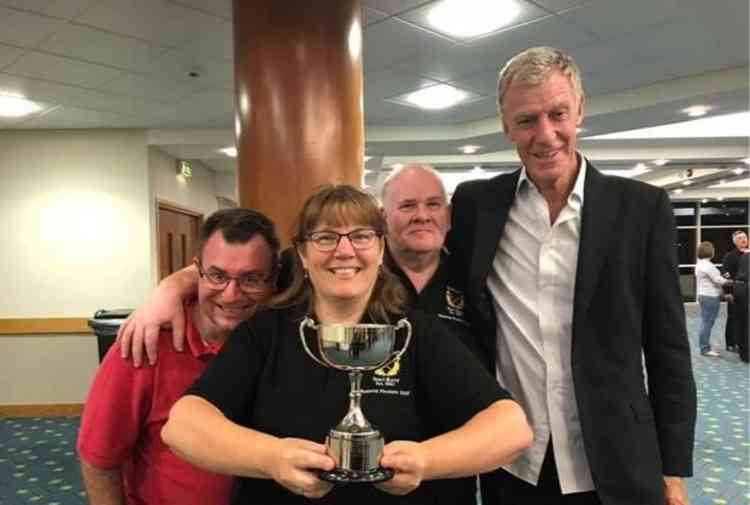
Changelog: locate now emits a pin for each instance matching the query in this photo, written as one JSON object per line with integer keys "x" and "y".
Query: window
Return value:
{"x": 724, "y": 213}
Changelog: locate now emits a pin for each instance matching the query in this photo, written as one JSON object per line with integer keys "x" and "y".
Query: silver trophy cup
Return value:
{"x": 354, "y": 443}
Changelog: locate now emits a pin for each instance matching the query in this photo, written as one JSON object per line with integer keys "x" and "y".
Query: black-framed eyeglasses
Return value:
{"x": 327, "y": 241}
{"x": 248, "y": 283}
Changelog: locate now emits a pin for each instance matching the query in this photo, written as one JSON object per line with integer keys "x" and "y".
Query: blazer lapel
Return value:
{"x": 601, "y": 204}
{"x": 492, "y": 211}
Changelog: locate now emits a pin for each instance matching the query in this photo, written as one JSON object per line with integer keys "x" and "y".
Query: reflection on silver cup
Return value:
{"x": 354, "y": 443}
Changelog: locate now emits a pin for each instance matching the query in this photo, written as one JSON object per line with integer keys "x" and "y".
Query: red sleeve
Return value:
{"x": 116, "y": 410}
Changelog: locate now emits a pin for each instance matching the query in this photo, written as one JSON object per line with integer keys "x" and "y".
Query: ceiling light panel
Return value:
{"x": 16, "y": 106}
{"x": 467, "y": 19}
{"x": 440, "y": 96}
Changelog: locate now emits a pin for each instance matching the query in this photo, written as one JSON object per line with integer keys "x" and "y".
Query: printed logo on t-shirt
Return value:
{"x": 386, "y": 381}
{"x": 454, "y": 304}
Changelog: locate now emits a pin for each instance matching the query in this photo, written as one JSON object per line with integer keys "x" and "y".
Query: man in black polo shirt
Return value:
{"x": 416, "y": 209}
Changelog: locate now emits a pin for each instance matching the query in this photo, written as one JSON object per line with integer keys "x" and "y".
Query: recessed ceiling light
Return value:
{"x": 367, "y": 158}
{"x": 440, "y": 96}
{"x": 472, "y": 18}
{"x": 660, "y": 163}
{"x": 640, "y": 167}
{"x": 469, "y": 149}
{"x": 477, "y": 169}
{"x": 687, "y": 183}
{"x": 16, "y": 106}
{"x": 738, "y": 170}
{"x": 397, "y": 166}
{"x": 705, "y": 200}
{"x": 721, "y": 198}
{"x": 229, "y": 151}
{"x": 677, "y": 191}
{"x": 746, "y": 161}
{"x": 697, "y": 110}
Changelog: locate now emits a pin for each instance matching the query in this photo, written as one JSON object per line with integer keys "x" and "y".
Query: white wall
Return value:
{"x": 197, "y": 193}
{"x": 77, "y": 236}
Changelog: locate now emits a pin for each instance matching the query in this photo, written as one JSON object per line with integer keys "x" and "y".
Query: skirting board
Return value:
{"x": 45, "y": 410}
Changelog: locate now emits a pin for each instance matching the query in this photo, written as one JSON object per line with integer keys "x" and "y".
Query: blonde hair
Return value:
{"x": 533, "y": 66}
{"x": 340, "y": 205}
{"x": 705, "y": 250}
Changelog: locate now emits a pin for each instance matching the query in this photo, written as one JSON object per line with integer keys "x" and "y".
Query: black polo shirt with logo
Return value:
{"x": 442, "y": 298}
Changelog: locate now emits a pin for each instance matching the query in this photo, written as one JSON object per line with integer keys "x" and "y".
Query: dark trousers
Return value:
{"x": 729, "y": 329}
{"x": 502, "y": 488}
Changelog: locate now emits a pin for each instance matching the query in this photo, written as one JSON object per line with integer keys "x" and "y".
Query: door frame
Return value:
{"x": 174, "y": 207}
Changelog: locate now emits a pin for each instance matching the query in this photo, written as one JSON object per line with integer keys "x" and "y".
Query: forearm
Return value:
{"x": 182, "y": 283}
{"x": 103, "y": 486}
{"x": 493, "y": 437}
{"x": 199, "y": 433}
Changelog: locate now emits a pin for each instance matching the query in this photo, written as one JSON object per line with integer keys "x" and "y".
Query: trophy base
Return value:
{"x": 341, "y": 476}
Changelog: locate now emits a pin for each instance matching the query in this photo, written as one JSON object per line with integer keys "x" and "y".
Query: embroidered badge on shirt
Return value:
{"x": 454, "y": 302}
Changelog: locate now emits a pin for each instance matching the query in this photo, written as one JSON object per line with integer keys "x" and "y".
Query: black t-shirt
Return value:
{"x": 263, "y": 379}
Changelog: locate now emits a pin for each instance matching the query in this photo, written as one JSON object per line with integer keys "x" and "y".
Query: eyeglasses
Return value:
{"x": 327, "y": 241}
{"x": 248, "y": 283}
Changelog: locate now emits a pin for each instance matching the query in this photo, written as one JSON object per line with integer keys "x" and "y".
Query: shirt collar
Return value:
{"x": 575, "y": 199}
{"x": 198, "y": 347}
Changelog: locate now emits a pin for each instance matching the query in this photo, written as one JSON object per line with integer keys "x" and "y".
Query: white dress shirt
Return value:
{"x": 708, "y": 280}
{"x": 532, "y": 283}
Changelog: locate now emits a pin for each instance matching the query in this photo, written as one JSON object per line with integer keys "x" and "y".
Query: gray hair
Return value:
{"x": 412, "y": 167}
{"x": 532, "y": 66}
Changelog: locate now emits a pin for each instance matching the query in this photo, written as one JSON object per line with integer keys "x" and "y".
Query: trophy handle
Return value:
{"x": 403, "y": 323}
{"x": 307, "y": 322}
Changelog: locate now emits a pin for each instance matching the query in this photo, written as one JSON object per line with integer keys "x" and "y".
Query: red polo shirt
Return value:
{"x": 123, "y": 417}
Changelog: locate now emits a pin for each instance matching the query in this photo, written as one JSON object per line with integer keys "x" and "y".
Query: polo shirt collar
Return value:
{"x": 198, "y": 347}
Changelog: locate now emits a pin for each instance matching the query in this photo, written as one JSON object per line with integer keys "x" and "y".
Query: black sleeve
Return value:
{"x": 230, "y": 381}
{"x": 451, "y": 382}
{"x": 666, "y": 346}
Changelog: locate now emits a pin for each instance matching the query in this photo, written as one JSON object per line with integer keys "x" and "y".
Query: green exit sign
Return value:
{"x": 185, "y": 169}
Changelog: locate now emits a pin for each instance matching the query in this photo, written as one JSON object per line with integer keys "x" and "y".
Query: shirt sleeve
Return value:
{"x": 117, "y": 407}
{"x": 713, "y": 274}
{"x": 452, "y": 383}
{"x": 230, "y": 381}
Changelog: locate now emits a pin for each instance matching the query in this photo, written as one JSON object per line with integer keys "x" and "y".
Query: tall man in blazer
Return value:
{"x": 573, "y": 276}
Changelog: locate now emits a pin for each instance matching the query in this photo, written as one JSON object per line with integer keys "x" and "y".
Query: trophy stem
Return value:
{"x": 355, "y": 421}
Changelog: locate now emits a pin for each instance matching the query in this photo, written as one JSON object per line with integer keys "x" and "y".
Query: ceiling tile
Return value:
{"x": 71, "y": 117}
{"x": 392, "y": 41}
{"x": 484, "y": 83}
{"x": 96, "y": 46}
{"x": 147, "y": 88}
{"x": 221, "y": 8}
{"x": 176, "y": 65}
{"x": 155, "y": 21}
{"x": 64, "y": 70}
{"x": 527, "y": 13}
{"x": 39, "y": 90}
{"x": 25, "y": 29}
{"x": 8, "y": 55}
{"x": 560, "y": 5}
{"x": 612, "y": 18}
{"x": 370, "y": 16}
{"x": 391, "y": 82}
{"x": 65, "y": 9}
{"x": 395, "y": 6}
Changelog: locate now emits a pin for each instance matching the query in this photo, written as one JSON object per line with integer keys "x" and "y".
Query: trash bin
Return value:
{"x": 105, "y": 324}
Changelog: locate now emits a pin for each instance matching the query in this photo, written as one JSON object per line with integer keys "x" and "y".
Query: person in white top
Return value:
{"x": 708, "y": 281}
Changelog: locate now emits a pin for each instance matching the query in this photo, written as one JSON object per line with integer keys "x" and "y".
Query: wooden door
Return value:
{"x": 178, "y": 238}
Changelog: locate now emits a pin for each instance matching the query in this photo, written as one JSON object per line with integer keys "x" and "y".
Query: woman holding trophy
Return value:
{"x": 263, "y": 407}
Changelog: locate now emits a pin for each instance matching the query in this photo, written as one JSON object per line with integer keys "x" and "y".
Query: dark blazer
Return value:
{"x": 627, "y": 304}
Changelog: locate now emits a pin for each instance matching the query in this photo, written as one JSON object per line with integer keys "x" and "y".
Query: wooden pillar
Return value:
{"x": 298, "y": 109}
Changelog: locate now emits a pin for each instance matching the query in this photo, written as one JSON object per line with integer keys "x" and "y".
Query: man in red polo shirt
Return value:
{"x": 123, "y": 459}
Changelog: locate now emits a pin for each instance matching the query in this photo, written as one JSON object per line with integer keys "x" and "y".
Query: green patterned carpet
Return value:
{"x": 38, "y": 463}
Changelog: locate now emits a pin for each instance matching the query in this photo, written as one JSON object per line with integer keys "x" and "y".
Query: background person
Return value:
{"x": 709, "y": 284}
{"x": 574, "y": 276}
{"x": 262, "y": 406}
{"x": 730, "y": 263}
{"x": 123, "y": 458}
